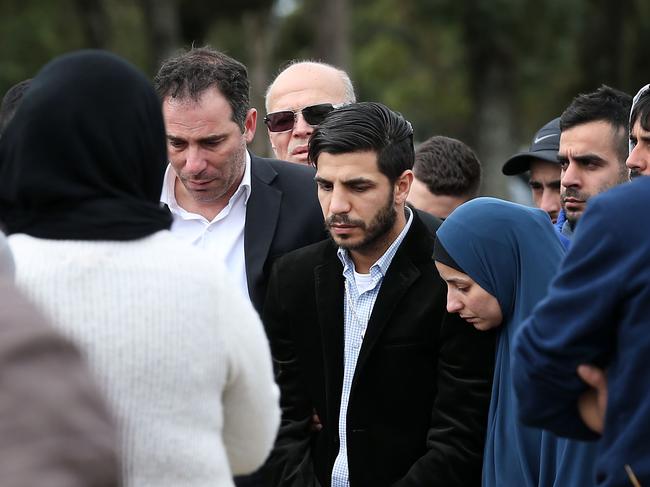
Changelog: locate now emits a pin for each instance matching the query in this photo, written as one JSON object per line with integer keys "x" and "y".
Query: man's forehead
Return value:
{"x": 348, "y": 166}
{"x": 541, "y": 166}
{"x": 299, "y": 86}
{"x": 591, "y": 137}
{"x": 299, "y": 99}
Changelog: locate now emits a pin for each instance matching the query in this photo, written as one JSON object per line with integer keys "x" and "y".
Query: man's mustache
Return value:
{"x": 343, "y": 219}
{"x": 574, "y": 193}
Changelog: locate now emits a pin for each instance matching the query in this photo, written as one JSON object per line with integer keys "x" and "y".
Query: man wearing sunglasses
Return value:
{"x": 298, "y": 100}
{"x": 242, "y": 208}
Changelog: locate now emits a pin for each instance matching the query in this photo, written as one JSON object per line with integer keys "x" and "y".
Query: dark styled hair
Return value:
{"x": 447, "y": 167}
{"x": 641, "y": 111}
{"x": 366, "y": 126}
{"x": 191, "y": 73}
{"x": 11, "y": 101}
{"x": 605, "y": 104}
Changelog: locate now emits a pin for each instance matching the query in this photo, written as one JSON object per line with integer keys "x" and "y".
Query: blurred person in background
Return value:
{"x": 179, "y": 354}
{"x": 540, "y": 161}
{"x": 447, "y": 174}
{"x": 297, "y": 101}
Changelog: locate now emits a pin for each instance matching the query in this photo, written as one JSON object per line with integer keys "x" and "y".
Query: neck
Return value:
{"x": 364, "y": 258}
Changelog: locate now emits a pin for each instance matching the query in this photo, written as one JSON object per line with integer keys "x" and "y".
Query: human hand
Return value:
{"x": 592, "y": 404}
{"x": 315, "y": 424}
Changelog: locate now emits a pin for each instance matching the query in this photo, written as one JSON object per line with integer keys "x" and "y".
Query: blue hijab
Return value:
{"x": 512, "y": 252}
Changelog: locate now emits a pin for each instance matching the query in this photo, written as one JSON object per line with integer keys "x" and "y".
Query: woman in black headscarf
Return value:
{"x": 85, "y": 154}
{"x": 181, "y": 356}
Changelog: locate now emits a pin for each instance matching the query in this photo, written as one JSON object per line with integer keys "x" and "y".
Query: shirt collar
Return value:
{"x": 380, "y": 267}
{"x": 168, "y": 195}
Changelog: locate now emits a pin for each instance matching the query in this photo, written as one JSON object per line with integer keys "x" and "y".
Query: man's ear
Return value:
{"x": 403, "y": 186}
{"x": 250, "y": 124}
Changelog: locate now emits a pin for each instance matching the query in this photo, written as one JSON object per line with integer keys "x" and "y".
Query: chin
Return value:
{"x": 485, "y": 326}
{"x": 299, "y": 159}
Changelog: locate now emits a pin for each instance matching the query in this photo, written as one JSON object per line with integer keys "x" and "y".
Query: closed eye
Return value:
{"x": 176, "y": 143}
{"x": 324, "y": 185}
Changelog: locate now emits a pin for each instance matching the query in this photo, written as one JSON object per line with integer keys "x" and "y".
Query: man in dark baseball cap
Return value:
{"x": 541, "y": 161}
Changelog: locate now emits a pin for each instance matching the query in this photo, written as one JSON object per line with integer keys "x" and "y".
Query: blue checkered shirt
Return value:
{"x": 354, "y": 330}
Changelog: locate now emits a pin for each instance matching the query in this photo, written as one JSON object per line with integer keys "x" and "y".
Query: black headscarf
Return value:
{"x": 85, "y": 155}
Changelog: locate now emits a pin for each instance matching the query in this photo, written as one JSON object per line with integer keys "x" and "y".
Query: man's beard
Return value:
{"x": 379, "y": 226}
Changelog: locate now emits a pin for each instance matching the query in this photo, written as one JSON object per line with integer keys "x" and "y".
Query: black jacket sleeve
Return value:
{"x": 456, "y": 438}
{"x": 290, "y": 463}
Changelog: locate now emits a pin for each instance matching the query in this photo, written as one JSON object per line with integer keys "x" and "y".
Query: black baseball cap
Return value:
{"x": 544, "y": 146}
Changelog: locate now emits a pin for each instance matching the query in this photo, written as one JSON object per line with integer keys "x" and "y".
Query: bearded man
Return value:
{"x": 359, "y": 331}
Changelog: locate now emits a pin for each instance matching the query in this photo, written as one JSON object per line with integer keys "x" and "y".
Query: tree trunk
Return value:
{"x": 332, "y": 33}
{"x": 260, "y": 29}
{"x": 94, "y": 22}
{"x": 163, "y": 28}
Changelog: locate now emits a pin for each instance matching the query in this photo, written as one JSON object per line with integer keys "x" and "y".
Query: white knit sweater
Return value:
{"x": 180, "y": 354}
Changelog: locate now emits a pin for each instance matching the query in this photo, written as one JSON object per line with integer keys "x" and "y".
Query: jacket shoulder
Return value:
{"x": 282, "y": 170}
{"x": 307, "y": 257}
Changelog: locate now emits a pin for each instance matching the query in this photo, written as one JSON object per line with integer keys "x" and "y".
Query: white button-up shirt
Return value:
{"x": 222, "y": 236}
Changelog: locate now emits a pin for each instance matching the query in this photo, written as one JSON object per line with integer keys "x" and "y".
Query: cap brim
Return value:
{"x": 520, "y": 163}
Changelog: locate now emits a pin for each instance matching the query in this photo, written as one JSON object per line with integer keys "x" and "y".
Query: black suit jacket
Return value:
{"x": 418, "y": 404}
{"x": 282, "y": 214}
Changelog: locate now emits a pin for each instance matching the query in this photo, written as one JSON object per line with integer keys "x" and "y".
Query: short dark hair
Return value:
{"x": 605, "y": 104}
{"x": 366, "y": 126}
{"x": 447, "y": 167}
{"x": 191, "y": 73}
{"x": 641, "y": 111}
{"x": 11, "y": 101}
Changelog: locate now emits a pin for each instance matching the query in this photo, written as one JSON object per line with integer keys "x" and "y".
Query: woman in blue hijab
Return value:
{"x": 498, "y": 259}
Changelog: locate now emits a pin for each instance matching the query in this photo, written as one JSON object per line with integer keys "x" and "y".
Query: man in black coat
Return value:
{"x": 242, "y": 208}
{"x": 359, "y": 332}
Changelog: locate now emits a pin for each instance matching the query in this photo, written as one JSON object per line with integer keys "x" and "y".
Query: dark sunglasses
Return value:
{"x": 284, "y": 120}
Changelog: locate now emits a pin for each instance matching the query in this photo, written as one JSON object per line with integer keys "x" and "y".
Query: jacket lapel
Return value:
{"x": 262, "y": 212}
{"x": 329, "y": 306}
{"x": 402, "y": 273}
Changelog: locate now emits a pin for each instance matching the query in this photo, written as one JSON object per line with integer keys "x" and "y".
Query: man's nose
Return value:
{"x": 571, "y": 176}
{"x": 301, "y": 128}
{"x": 339, "y": 203}
{"x": 636, "y": 160}
{"x": 194, "y": 161}
{"x": 550, "y": 201}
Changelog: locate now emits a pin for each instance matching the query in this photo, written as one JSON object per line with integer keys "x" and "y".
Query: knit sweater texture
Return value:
{"x": 180, "y": 355}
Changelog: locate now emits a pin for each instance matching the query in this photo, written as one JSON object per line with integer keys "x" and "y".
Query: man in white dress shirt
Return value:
{"x": 245, "y": 209}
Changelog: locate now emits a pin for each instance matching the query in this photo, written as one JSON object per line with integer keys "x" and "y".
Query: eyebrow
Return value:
{"x": 357, "y": 181}
{"x": 209, "y": 138}
{"x": 457, "y": 280}
{"x": 644, "y": 138}
{"x": 553, "y": 183}
{"x": 349, "y": 182}
{"x": 581, "y": 159}
{"x": 320, "y": 180}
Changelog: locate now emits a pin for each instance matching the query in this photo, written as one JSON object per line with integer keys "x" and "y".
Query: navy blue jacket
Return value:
{"x": 597, "y": 312}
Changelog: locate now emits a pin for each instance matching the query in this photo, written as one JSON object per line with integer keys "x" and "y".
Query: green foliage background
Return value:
{"x": 439, "y": 62}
